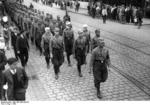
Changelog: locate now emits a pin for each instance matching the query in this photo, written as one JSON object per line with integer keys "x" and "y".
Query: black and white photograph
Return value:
{"x": 74, "y": 50}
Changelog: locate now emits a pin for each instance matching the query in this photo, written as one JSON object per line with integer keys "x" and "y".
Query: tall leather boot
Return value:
{"x": 98, "y": 92}
{"x": 79, "y": 70}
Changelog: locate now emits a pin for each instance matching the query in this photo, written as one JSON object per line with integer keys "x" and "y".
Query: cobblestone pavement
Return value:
{"x": 44, "y": 87}
{"x": 128, "y": 79}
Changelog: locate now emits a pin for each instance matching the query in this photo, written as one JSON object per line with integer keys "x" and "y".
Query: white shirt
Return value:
{"x": 13, "y": 71}
{"x": 104, "y": 12}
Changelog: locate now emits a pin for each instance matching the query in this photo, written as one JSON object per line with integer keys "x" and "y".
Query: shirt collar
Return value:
{"x": 13, "y": 71}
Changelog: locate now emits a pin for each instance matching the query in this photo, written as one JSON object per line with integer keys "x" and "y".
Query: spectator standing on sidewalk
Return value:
{"x": 139, "y": 16}
{"x": 3, "y": 61}
{"x": 99, "y": 63}
{"x": 6, "y": 35}
{"x": 22, "y": 48}
{"x": 77, "y": 6}
{"x": 16, "y": 80}
{"x": 14, "y": 35}
{"x": 123, "y": 18}
{"x": 127, "y": 14}
{"x": 104, "y": 14}
{"x": 93, "y": 10}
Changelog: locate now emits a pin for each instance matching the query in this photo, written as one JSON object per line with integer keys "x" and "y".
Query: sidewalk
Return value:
{"x": 85, "y": 12}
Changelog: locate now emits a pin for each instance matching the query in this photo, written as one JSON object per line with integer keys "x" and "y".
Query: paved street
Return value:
{"x": 129, "y": 76}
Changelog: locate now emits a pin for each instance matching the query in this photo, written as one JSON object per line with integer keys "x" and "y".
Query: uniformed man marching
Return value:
{"x": 38, "y": 38}
{"x": 87, "y": 33}
{"x": 68, "y": 36}
{"x": 94, "y": 41}
{"x": 46, "y": 45}
{"x": 60, "y": 23}
{"x": 100, "y": 62}
{"x": 57, "y": 47}
{"x": 80, "y": 51}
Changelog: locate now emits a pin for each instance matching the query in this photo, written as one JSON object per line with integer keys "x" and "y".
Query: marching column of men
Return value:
{"x": 53, "y": 38}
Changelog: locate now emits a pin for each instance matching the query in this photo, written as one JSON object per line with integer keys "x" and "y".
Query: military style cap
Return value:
{"x": 12, "y": 60}
{"x": 80, "y": 31}
{"x": 85, "y": 26}
{"x": 47, "y": 29}
{"x": 97, "y": 30}
{"x": 68, "y": 23}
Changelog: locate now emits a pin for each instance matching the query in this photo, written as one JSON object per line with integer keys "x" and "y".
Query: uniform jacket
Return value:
{"x": 94, "y": 42}
{"x": 68, "y": 35}
{"x": 80, "y": 43}
{"x": 88, "y": 36}
{"x": 46, "y": 39}
{"x": 100, "y": 55}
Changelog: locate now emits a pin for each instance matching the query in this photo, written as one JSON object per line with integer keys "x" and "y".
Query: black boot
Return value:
{"x": 98, "y": 93}
{"x": 79, "y": 71}
{"x": 48, "y": 66}
{"x": 80, "y": 74}
{"x": 56, "y": 76}
{"x": 68, "y": 59}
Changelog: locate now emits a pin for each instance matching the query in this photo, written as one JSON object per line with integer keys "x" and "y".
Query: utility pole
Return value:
{"x": 66, "y": 7}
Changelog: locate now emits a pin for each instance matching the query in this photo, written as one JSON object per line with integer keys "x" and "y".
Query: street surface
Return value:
{"x": 129, "y": 75}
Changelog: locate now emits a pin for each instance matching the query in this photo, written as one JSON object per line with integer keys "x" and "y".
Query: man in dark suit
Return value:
{"x": 3, "y": 62}
{"x": 14, "y": 35}
{"x": 22, "y": 48}
{"x": 17, "y": 82}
